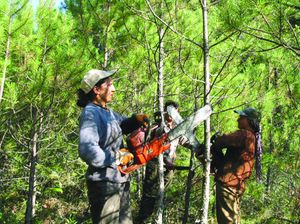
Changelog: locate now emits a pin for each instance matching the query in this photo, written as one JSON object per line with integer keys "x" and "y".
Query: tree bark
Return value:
{"x": 191, "y": 173}
{"x": 6, "y": 57}
{"x": 31, "y": 201}
{"x": 106, "y": 50}
{"x": 188, "y": 188}
{"x": 159, "y": 219}
{"x": 206, "y": 193}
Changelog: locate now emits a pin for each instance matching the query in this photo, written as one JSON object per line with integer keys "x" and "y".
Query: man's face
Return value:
{"x": 106, "y": 91}
{"x": 168, "y": 118}
{"x": 243, "y": 122}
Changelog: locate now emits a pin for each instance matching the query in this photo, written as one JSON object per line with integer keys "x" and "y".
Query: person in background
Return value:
{"x": 101, "y": 147}
{"x": 151, "y": 181}
{"x": 233, "y": 168}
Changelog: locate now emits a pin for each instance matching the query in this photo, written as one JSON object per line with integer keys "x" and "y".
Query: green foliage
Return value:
{"x": 254, "y": 61}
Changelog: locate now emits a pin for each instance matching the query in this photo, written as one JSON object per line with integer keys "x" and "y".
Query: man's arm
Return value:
{"x": 235, "y": 140}
{"x": 128, "y": 125}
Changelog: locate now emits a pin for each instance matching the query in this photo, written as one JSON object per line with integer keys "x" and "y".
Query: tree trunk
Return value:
{"x": 188, "y": 189}
{"x": 31, "y": 201}
{"x": 6, "y": 57}
{"x": 190, "y": 175}
{"x": 106, "y": 50}
{"x": 206, "y": 187}
{"x": 161, "y": 109}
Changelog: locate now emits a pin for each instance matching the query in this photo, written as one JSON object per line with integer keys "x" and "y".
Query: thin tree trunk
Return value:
{"x": 138, "y": 181}
{"x": 31, "y": 201}
{"x": 106, "y": 50}
{"x": 271, "y": 147}
{"x": 188, "y": 189}
{"x": 161, "y": 108}
{"x": 190, "y": 175}
{"x": 268, "y": 179}
{"x": 206, "y": 187}
{"x": 6, "y": 57}
{"x": 271, "y": 141}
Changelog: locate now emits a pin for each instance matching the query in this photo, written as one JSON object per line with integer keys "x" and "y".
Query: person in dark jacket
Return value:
{"x": 233, "y": 168}
{"x": 151, "y": 181}
{"x": 101, "y": 147}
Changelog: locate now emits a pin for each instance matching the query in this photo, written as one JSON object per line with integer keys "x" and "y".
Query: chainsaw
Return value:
{"x": 145, "y": 150}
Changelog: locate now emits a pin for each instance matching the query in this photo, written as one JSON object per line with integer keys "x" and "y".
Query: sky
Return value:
{"x": 36, "y": 2}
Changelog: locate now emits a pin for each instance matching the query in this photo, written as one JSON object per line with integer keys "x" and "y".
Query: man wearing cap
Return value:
{"x": 101, "y": 147}
{"x": 234, "y": 167}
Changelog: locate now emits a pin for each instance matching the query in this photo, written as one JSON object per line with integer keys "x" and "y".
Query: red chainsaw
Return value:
{"x": 144, "y": 150}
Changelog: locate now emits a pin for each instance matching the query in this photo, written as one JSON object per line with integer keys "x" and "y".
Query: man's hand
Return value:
{"x": 214, "y": 137}
{"x": 123, "y": 157}
{"x": 143, "y": 119}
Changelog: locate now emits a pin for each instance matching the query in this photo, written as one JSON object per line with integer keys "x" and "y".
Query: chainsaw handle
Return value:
{"x": 147, "y": 153}
{"x": 120, "y": 168}
{"x": 129, "y": 169}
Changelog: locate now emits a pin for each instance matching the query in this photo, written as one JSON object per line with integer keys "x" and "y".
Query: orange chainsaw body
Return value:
{"x": 144, "y": 152}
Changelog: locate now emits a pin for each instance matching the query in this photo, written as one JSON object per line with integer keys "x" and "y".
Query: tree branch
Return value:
{"x": 224, "y": 39}
{"x": 171, "y": 28}
{"x": 221, "y": 70}
{"x": 294, "y": 50}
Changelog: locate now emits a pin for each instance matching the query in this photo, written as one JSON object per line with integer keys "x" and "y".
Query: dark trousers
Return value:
{"x": 151, "y": 190}
{"x": 109, "y": 202}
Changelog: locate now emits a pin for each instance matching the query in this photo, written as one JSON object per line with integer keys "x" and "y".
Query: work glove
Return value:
{"x": 123, "y": 157}
{"x": 143, "y": 119}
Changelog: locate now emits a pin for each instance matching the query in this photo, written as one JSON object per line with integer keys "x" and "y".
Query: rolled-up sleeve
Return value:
{"x": 89, "y": 149}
